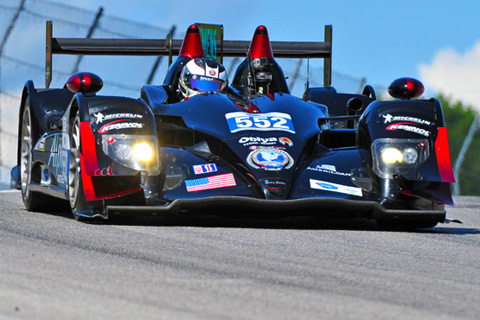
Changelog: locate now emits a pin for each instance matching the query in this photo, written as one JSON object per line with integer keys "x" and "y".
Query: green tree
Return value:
{"x": 458, "y": 119}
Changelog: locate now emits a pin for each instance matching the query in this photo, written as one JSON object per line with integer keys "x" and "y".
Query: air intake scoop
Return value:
{"x": 192, "y": 44}
{"x": 260, "y": 46}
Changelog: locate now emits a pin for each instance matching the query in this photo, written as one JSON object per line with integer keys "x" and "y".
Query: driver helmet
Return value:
{"x": 202, "y": 75}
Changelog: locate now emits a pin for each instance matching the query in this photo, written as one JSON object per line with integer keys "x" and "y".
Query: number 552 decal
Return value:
{"x": 273, "y": 121}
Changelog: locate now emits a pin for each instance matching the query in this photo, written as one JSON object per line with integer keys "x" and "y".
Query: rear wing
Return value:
{"x": 170, "y": 47}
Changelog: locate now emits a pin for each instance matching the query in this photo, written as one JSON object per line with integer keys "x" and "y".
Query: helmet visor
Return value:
{"x": 206, "y": 84}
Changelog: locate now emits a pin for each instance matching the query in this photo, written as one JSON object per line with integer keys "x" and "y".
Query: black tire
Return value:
{"x": 75, "y": 183}
{"x": 82, "y": 209}
{"x": 34, "y": 201}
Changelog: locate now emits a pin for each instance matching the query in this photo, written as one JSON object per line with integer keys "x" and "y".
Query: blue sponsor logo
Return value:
{"x": 270, "y": 159}
{"x": 326, "y": 186}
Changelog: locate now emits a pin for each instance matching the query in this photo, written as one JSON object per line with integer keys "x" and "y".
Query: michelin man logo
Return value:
{"x": 388, "y": 118}
{"x": 98, "y": 117}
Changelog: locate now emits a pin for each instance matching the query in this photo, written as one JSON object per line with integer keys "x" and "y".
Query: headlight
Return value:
{"x": 391, "y": 155}
{"x": 398, "y": 156}
{"x": 142, "y": 151}
{"x": 135, "y": 152}
{"x": 410, "y": 155}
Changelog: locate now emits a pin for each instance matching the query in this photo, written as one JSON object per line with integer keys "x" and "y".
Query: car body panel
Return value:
{"x": 243, "y": 150}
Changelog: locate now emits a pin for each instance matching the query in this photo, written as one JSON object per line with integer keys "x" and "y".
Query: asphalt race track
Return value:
{"x": 53, "y": 267}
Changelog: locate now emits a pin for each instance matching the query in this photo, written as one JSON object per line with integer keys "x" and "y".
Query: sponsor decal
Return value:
{"x": 269, "y": 159}
{"x": 276, "y": 187}
{"x": 285, "y": 141}
{"x": 45, "y": 176}
{"x": 247, "y": 141}
{"x": 330, "y": 169}
{"x": 66, "y": 137}
{"x": 333, "y": 187}
{"x": 389, "y": 118}
{"x": 58, "y": 158}
{"x": 204, "y": 168}
{"x": 277, "y": 183}
{"x": 55, "y": 158}
{"x": 202, "y": 78}
{"x": 212, "y": 182}
{"x": 61, "y": 179}
{"x": 265, "y": 141}
{"x": 211, "y": 39}
{"x": 273, "y": 121}
{"x": 40, "y": 146}
{"x": 107, "y": 171}
{"x": 409, "y": 127}
{"x": 120, "y": 124}
{"x": 100, "y": 117}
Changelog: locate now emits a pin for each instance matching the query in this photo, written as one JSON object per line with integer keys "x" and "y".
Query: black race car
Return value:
{"x": 251, "y": 149}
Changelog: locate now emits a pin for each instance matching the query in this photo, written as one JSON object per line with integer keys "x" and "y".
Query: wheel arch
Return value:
{"x": 28, "y": 90}
{"x": 47, "y": 107}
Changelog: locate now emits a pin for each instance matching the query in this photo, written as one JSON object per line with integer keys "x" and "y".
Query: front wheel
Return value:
{"x": 82, "y": 209}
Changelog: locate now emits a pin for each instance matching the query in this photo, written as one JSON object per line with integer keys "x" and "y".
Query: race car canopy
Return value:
{"x": 192, "y": 44}
{"x": 260, "y": 46}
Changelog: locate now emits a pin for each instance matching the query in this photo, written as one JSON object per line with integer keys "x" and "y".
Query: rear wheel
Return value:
{"x": 33, "y": 201}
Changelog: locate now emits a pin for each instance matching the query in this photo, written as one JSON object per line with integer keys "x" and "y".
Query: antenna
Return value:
{"x": 249, "y": 76}
{"x": 307, "y": 85}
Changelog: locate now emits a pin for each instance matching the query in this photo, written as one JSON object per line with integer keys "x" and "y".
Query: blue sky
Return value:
{"x": 434, "y": 41}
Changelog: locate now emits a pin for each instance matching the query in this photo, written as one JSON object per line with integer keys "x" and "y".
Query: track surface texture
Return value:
{"x": 53, "y": 267}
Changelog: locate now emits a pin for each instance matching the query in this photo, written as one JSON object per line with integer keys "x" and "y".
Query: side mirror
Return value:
{"x": 406, "y": 88}
{"x": 84, "y": 82}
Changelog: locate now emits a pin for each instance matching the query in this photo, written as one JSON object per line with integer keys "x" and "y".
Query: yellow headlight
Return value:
{"x": 392, "y": 155}
{"x": 142, "y": 151}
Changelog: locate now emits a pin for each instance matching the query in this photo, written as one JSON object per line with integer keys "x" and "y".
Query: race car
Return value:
{"x": 247, "y": 149}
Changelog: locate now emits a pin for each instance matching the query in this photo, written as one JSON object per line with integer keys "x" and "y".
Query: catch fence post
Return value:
{"x": 461, "y": 154}
{"x": 295, "y": 74}
{"x": 159, "y": 58}
{"x": 89, "y": 35}
{"x": 2, "y": 46}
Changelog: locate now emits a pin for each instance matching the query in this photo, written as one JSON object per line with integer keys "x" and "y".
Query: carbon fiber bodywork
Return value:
{"x": 252, "y": 150}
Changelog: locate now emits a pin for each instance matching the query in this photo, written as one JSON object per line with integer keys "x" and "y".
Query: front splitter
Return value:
{"x": 322, "y": 207}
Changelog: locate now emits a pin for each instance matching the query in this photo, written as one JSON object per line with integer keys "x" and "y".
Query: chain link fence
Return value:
{"x": 22, "y": 58}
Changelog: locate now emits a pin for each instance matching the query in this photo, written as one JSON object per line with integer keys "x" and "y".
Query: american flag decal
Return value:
{"x": 212, "y": 182}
